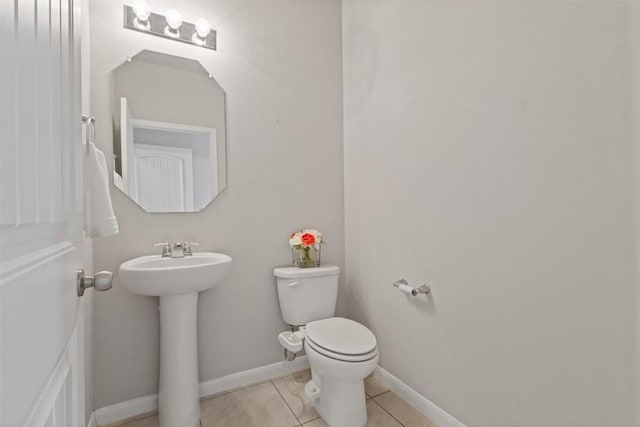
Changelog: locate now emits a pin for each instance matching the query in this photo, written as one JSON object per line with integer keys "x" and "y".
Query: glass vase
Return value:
{"x": 306, "y": 256}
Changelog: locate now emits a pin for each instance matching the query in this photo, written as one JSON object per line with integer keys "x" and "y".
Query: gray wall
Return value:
{"x": 280, "y": 66}
{"x": 635, "y": 113}
{"x": 488, "y": 151}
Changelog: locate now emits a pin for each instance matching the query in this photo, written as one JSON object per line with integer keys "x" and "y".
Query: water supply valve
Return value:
{"x": 291, "y": 341}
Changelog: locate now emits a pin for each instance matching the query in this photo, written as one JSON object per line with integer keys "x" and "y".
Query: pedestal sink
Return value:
{"x": 177, "y": 282}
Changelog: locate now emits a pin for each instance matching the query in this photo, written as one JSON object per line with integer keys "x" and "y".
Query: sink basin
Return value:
{"x": 177, "y": 282}
{"x": 156, "y": 276}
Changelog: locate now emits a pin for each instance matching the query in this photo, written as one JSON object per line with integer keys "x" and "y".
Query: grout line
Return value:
{"x": 380, "y": 394}
{"x": 376, "y": 395}
{"x": 286, "y": 403}
{"x": 384, "y": 409}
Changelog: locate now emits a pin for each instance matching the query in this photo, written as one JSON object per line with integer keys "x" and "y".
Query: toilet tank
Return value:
{"x": 307, "y": 294}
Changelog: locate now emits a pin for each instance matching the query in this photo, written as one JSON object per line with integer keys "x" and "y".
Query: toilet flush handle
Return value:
{"x": 294, "y": 284}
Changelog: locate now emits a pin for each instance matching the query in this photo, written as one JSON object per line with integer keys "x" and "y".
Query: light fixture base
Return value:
{"x": 157, "y": 24}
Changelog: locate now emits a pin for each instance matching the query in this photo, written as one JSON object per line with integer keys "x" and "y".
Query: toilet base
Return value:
{"x": 337, "y": 387}
{"x": 339, "y": 403}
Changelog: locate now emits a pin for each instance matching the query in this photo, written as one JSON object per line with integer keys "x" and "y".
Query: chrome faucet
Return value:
{"x": 187, "y": 248}
{"x": 179, "y": 250}
{"x": 166, "y": 249}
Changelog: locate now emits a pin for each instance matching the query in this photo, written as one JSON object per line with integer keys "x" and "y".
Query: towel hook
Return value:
{"x": 90, "y": 121}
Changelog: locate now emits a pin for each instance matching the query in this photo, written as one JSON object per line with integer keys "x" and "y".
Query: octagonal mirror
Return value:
{"x": 168, "y": 133}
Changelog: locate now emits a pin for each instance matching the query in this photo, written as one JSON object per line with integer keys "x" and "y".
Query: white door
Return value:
{"x": 163, "y": 178}
{"x": 41, "y": 351}
{"x": 126, "y": 144}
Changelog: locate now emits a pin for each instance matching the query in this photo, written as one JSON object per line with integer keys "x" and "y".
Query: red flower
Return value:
{"x": 308, "y": 239}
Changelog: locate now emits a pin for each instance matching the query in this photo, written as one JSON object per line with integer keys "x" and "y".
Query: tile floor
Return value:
{"x": 280, "y": 402}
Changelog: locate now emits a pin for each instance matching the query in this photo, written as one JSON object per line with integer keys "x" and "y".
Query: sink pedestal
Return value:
{"x": 177, "y": 282}
{"x": 179, "y": 395}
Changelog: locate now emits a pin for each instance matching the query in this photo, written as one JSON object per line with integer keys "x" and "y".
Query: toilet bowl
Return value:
{"x": 341, "y": 352}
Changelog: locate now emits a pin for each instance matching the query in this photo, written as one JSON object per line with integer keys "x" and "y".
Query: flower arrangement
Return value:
{"x": 305, "y": 247}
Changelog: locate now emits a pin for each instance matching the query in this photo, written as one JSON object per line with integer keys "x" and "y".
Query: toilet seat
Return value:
{"x": 340, "y": 356}
{"x": 341, "y": 339}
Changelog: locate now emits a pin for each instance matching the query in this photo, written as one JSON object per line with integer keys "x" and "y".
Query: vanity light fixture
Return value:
{"x": 174, "y": 21}
{"x": 202, "y": 31}
{"x": 142, "y": 12}
{"x": 139, "y": 17}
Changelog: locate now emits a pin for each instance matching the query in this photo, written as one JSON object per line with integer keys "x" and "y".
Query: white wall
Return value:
{"x": 280, "y": 65}
{"x": 488, "y": 151}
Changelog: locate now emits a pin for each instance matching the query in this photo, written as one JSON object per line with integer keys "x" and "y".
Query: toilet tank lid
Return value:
{"x": 301, "y": 273}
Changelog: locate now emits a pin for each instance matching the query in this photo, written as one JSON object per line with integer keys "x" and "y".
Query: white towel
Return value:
{"x": 99, "y": 219}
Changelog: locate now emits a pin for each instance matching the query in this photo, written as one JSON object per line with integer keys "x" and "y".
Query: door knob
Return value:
{"x": 101, "y": 281}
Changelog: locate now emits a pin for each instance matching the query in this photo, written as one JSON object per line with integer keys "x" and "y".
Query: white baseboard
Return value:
{"x": 128, "y": 409}
{"x": 251, "y": 376}
{"x": 147, "y": 404}
{"x": 92, "y": 420}
{"x": 415, "y": 399}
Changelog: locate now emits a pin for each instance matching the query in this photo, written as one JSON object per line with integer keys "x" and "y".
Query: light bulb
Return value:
{"x": 203, "y": 28}
{"x": 141, "y": 10}
{"x": 174, "y": 19}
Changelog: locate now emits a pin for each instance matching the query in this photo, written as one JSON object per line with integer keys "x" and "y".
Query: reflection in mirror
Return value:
{"x": 169, "y": 133}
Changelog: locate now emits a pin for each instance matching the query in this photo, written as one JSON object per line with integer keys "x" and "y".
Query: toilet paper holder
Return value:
{"x": 403, "y": 285}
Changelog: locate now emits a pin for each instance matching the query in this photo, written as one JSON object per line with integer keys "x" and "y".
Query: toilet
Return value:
{"x": 341, "y": 352}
